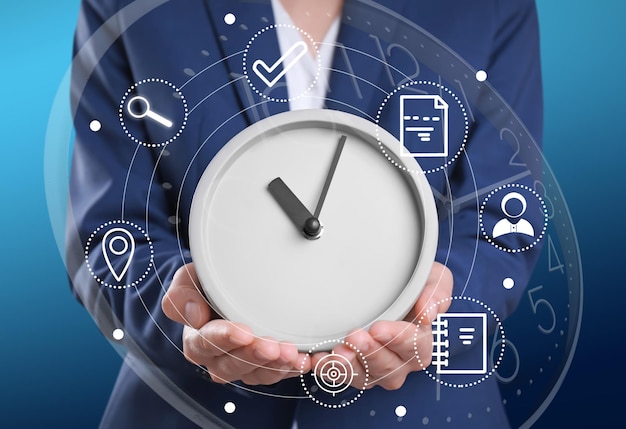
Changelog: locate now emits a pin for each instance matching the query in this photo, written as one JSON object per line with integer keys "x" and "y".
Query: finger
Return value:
{"x": 260, "y": 362}
{"x": 231, "y": 352}
{"x": 216, "y": 338}
{"x": 411, "y": 343}
{"x": 316, "y": 358}
{"x": 288, "y": 365}
{"x": 435, "y": 297}
{"x": 423, "y": 346}
{"x": 290, "y": 362}
{"x": 396, "y": 336}
{"x": 394, "y": 358}
{"x": 183, "y": 302}
{"x": 219, "y": 337}
{"x": 227, "y": 353}
{"x": 368, "y": 352}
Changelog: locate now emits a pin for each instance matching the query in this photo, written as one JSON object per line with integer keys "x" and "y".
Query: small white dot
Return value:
{"x": 481, "y": 75}
{"x": 118, "y": 334}
{"x": 508, "y": 283}
{"x": 95, "y": 126}
{"x": 229, "y": 19}
{"x": 400, "y": 411}
{"x": 229, "y": 407}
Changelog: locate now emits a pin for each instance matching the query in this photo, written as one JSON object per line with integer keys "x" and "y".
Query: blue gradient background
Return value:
{"x": 57, "y": 370}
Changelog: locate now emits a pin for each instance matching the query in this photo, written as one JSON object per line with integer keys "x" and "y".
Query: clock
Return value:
{"x": 302, "y": 229}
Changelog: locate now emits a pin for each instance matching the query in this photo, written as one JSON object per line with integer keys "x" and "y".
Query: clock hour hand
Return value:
{"x": 295, "y": 210}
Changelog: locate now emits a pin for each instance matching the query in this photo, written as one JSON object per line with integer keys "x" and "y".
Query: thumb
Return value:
{"x": 183, "y": 302}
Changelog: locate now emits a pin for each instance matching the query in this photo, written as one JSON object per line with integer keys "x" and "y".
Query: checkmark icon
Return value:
{"x": 288, "y": 60}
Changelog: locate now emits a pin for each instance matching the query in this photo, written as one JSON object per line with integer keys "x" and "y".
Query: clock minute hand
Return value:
{"x": 329, "y": 177}
{"x": 295, "y": 210}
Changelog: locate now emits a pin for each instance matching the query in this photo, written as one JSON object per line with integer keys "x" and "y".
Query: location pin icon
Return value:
{"x": 118, "y": 245}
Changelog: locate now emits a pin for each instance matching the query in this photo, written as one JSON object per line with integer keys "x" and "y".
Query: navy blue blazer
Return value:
{"x": 113, "y": 178}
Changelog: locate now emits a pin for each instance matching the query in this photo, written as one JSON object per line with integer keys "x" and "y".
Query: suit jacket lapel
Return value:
{"x": 361, "y": 79}
{"x": 251, "y": 17}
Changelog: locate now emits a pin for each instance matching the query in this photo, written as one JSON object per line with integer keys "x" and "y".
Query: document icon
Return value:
{"x": 468, "y": 331}
{"x": 423, "y": 125}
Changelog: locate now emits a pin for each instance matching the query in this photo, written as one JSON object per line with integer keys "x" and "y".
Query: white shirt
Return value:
{"x": 302, "y": 73}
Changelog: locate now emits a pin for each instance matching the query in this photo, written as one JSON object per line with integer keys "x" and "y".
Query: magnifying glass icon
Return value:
{"x": 139, "y": 107}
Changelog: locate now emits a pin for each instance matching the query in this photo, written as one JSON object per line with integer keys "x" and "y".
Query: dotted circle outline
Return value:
{"x": 543, "y": 208}
{"x": 495, "y": 365}
{"x": 123, "y": 123}
{"x": 322, "y": 403}
{"x": 106, "y": 225}
{"x": 245, "y": 67}
{"x": 465, "y": 133}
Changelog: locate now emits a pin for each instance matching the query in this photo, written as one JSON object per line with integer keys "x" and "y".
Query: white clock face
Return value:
{"x": 257, "y": 267}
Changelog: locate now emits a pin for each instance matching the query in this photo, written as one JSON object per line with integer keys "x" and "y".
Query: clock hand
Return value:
{"x": 295, "y": 210}
{"x": 329, "y": 177}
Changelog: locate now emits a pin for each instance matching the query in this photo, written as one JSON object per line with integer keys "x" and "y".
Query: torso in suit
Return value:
{"x": 189, "y": 44}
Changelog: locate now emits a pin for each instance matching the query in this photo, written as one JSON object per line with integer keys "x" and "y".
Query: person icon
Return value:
{"x": 505, "y": 226}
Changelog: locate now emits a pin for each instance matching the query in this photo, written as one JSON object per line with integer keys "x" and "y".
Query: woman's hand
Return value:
{"x": 228, "y": 350}
{"x": 389, "y": 348}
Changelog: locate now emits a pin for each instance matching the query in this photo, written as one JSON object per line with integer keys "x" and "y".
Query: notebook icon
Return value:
{"x": 463, "y": 332}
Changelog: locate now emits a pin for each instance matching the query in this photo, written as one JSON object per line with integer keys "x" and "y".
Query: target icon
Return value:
{"x": 333, "y": 373}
